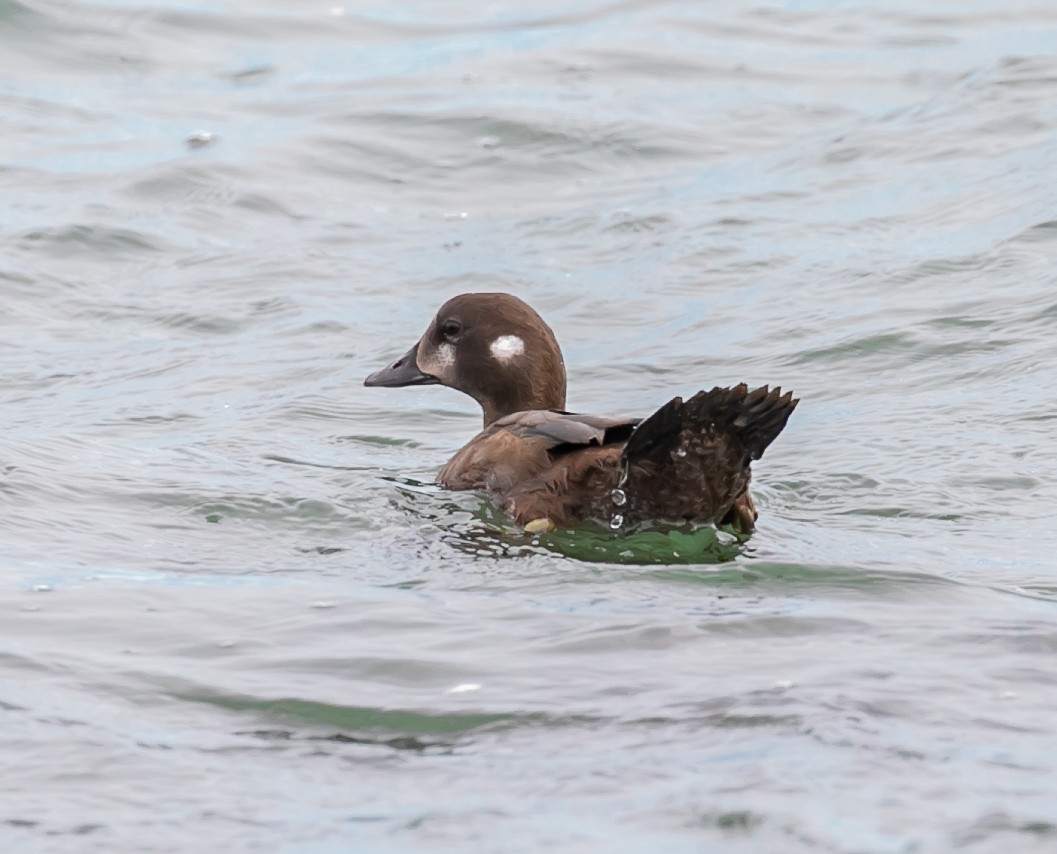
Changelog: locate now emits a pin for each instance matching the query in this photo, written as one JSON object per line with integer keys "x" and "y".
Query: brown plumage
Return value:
{"x": 549, "y": 468}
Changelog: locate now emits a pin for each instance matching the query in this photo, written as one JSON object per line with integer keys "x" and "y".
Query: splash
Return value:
{"x": 619, "y": 498}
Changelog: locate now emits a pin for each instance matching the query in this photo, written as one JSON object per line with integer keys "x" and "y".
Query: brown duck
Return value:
{"x": 548, "y": 468}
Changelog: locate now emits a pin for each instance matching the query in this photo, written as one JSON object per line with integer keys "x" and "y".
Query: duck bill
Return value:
{"x": 404, "y": 371}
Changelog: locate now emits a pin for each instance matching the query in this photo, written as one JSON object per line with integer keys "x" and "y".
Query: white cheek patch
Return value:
{"x": 506, "y": 347}
{"x": 438, "y": 362}
{"x": 445, "y": 356}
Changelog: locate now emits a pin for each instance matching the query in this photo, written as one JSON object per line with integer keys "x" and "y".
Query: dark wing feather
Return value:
{"x": 753, "y": 419}
{"x": 692, "y": 459}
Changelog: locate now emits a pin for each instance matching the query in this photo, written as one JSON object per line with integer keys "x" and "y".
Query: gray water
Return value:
{"x": 237, "y": 616}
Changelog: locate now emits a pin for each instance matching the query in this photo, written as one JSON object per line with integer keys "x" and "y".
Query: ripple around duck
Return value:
{"x": 98, "y": 241}
{"x": 438, "y": 147}
{"x": 291, "y": 719}
{"x": 1042, "y": 232}
{"x": 213, "y": 184}
{"x": 299, "y": 512}
{"x": 201, "y": 323}
{"x": 356, "y": 718}
{"x": 706, "y": 545}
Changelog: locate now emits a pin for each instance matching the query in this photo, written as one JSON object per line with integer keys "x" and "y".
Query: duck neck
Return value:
{"x": 523, "y": 396}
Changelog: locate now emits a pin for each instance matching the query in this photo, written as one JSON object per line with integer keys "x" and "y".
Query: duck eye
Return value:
{"x": 451, "y": 328}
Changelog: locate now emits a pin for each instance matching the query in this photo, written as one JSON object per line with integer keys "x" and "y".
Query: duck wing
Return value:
{"x": 518, "y": 447}
{"x": 561, "y": 432}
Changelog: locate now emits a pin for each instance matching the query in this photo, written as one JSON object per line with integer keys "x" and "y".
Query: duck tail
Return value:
{"x": 747, "y": 420}
{"x": 691, "y": 460}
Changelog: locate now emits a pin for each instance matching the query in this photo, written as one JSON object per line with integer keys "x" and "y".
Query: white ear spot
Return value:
{"x": 506, "y": 347}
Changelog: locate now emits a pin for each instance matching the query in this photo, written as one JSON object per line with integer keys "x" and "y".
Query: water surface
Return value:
{"x": 237, "y": 617}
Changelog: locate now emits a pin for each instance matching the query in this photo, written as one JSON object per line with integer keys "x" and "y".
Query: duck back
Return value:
{"x": 688, "y": 461}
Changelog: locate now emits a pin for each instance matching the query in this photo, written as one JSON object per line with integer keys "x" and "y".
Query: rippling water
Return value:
{"x": 237, "y": 617}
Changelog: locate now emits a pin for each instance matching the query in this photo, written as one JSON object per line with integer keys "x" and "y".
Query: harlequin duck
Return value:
{"x": 548, "y": 468}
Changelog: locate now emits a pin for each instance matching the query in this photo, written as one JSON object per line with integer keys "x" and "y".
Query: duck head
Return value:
{"x": 493, "y": 347}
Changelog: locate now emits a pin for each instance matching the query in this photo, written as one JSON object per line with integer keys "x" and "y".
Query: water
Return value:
{"x": 236, "y": 614}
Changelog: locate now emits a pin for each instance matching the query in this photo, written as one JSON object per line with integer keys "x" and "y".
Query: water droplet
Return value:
{"x": 619, "y": 497}
{"x": 42, "y": 588}
{"x": 200, "y": 139}
{"x": 323, "y": 605}
{"x": 616, "y": 521}
{"x": 464, "y": 688}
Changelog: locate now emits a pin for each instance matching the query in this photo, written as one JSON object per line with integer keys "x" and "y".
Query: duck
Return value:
{"x": 548, "y": 468}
